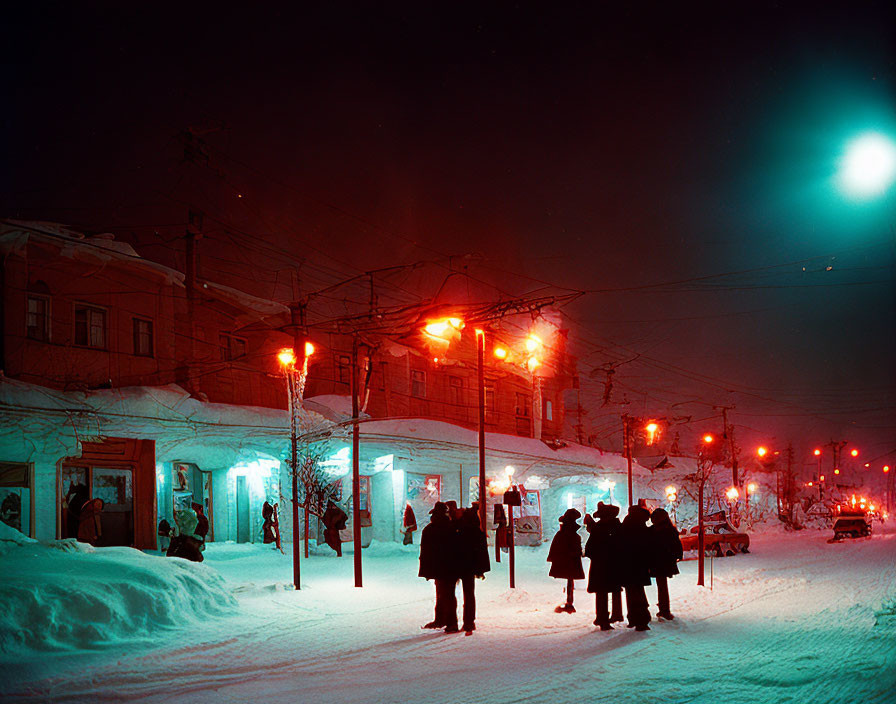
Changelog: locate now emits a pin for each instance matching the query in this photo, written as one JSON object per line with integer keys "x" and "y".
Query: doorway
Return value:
{"x": 115, "y": 487}
{"x": 242, "y": 510}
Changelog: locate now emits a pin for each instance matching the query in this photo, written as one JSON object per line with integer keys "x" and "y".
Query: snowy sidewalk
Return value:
{"x": 797, "y": 620}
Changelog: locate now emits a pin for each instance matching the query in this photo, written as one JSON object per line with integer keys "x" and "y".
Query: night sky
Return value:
{"x": 677, "y": 165}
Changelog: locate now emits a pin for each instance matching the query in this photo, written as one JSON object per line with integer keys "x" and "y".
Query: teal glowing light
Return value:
{"x": 868, "y": 167}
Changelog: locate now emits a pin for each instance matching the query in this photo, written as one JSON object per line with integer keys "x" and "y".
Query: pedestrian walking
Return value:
{"x": 604, "y": 579}
{"x": 667, "y": 552}
{"x": 472, "y": 562}
{"x": 186, "y": 544}
{"x": 636, "y": 552}
{"x": 565, "y": 557}
{"x": 334, "y": 520}
{"x": 438, "y": 562}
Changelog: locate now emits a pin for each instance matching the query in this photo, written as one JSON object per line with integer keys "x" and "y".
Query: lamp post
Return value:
{"x": 295, "y": 385}
{"x": 705, "y": 461}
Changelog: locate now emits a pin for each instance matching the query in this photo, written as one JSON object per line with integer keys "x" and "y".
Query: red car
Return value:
{"x": 720, "y": 539}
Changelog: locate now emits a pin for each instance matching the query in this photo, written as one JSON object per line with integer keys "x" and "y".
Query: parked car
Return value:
{"x": 852, "y": 527}
{"x": 720, "y": 538}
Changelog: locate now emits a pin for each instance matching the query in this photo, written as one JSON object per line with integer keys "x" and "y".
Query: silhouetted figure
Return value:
{"x": 565, "y": 556}
{"x": 667, "y": 552}
{"x": 438, "y": 562}
{"x": 636, "y": 550}
{"x": 77, "y": 496}
{"x": 267, "y": 526}
{"x": 334, "y": 520}
{"x": 602, "y": 548}
{"x": 90, "y": 526}
{"x": 165, "y": 533}
{"x": 409, "y": 524}
{"x": 201, "y": 524}
{"x": 472, "y": 561}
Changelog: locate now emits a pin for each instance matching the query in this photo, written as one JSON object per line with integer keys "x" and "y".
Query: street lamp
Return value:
{"x": 868, "y": 166}
{"x": 295, "y": 385}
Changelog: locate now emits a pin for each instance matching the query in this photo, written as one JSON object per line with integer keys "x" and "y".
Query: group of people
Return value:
{"x": 624, "y": 556}
{"x": 453, "y": 548}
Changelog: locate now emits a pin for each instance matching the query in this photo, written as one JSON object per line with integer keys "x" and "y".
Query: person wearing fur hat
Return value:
{"x": 565, "y": 556}
{"x": 438, "y": 562}
{"x": 602, "y": 548}
{"x": 667, "y": 552}
{"x": 636, "y": 545}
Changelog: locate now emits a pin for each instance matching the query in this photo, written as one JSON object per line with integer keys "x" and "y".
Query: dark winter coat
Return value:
{"x": 186, "y": 546}
{"x": 565, "y": 554}
{"x": 201, "y": 522}
{"x": 267, "y": 513}
{"x": 602, "y": 548}
{"x": 666, "y": 548}
{"x": 90, "y": 527}
{"x": 439, "y": 549}
{"x": 472, "y": 547}
{"x": 635, "y": 548}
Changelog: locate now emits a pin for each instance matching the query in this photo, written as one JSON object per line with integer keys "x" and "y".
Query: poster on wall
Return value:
{"x": 528, "y": 527}
{"x": 422, "y": 492}
{"x": 347, "y": 534}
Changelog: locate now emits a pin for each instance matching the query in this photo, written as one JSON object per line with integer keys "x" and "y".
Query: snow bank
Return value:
{"x": 66, "y": 595}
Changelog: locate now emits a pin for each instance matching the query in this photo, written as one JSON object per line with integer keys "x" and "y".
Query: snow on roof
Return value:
{"x": 244, "y": 300}
{"x": 456, "y": 443}
{"x": 15, "y": 235}
{"x": 56, "y": 421}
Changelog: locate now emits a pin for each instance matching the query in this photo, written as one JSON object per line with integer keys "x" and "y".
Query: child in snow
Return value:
{"x": 565, "y": 556}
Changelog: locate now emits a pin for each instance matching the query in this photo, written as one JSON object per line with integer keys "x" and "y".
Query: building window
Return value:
{"x": 37, "y": 318}
{"x": 418, "y": 383}
{"x": 522, "y": 405}
{"x": 490, "y": 408}
{"x": 548, "y": 410}
{"x": 232, "y": 347}
{"x": 90, "y": 327}
{"x": 143, "y": 337}
{"x": 343, "y": 369}
{"x": 456, "y": 385}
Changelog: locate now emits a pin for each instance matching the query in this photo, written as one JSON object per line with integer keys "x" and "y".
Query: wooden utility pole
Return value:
{"x": 480, "y": 352}
{"x": 356, "y": 465}
{"x": 627, "y": 448}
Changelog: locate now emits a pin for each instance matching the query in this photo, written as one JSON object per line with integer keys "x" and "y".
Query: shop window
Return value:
{"x": 490, "y": 407}
{"x": 143, "y": 342}
{"x": 232, "y": 347}
{"x": 90, "y": 326}
{"x": 16, "y": 509}
{"x": 37, "y": 318}
{"x": 548, "y": 410}
{"x": 418, "y": 383}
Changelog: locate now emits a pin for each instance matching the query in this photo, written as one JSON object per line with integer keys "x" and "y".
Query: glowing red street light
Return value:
{"x": 854, "y": 453}
{"x": 817, "y": 453}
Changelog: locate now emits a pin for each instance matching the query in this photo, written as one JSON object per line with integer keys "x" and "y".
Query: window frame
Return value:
{"x": 46, "y": 316}
{"x": 225, "y": 342}
{"x": 152, "y": 341}
{"x": 419, "y": 380}
{"x": 526, "y": 406}
{"x": 89, "y": 309}
{"x": 343, "y": 368}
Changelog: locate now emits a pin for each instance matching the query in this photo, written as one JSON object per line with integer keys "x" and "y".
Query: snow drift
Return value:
{"x": 67, "y": 595}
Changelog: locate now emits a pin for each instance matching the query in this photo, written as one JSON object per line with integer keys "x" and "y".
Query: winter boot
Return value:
{"x": 565, "y": 609}
{"x": 667, "y": 615}
{"x": 469, "y": 627}
{"x": 642, "y": 627}
{"x": 434, "y": 624}
{"x": 452, "y": 629}
{"x": 604, "y": 625}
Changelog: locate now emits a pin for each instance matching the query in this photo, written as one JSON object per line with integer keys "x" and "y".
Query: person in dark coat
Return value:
{"x": 334, "y": 520}
{"x": 604, "y": 579}
{"x": 201, "y": 524}
{"x": 667, "y": 552}
{"x": 90, "y": 525}
{"x": 267, "y": 526}
{"x": 636, "y": 551}
{"x": 77, "y": 496}
{"x": 472, "y": 561}
{"x": 565, "y": 556}
{"x": 438, "y": 562}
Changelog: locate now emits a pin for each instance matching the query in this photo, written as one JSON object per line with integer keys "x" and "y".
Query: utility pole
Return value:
{"x": 480, "y": 353}
{"x": 356, "y": 464}
{"x": 627, "y": 448}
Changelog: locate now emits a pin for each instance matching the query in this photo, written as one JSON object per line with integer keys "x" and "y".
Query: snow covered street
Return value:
{"x": 797, "y": 620}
